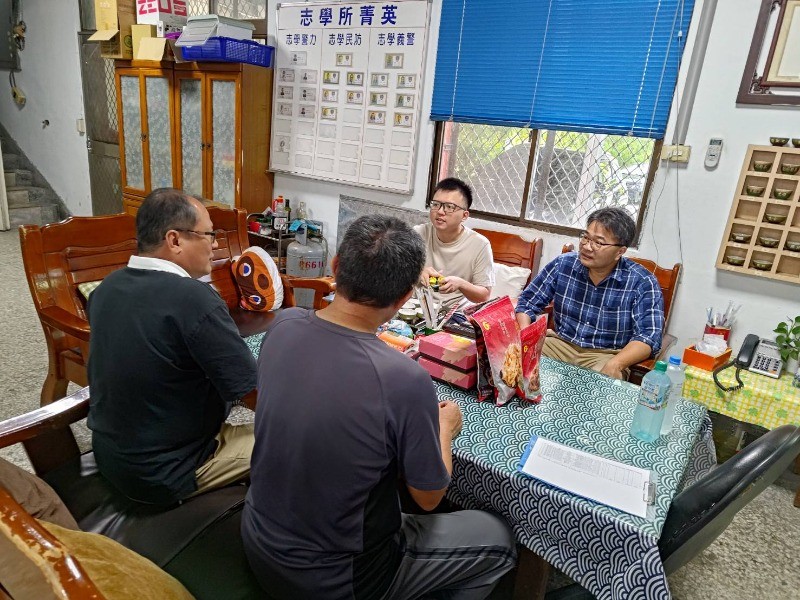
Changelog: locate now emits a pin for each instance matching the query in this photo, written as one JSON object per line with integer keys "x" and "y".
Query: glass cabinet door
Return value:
{"x": 223, "y": 140}
{"x": 190, "y": 100}
{"x": 159, "y": 131}
{"x": 132, "y": 132}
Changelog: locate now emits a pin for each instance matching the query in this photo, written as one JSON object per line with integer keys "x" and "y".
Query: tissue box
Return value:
{"x": 457, "y": 351}
{"x": 464, "y": 380}
{"x": 705, "y": 361}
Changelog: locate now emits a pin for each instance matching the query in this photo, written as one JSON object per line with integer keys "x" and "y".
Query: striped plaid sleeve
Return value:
{"x": 648, "y": 313}
{"x": 541, "y": 291}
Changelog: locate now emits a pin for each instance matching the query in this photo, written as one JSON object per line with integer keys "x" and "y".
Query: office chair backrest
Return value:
{"x": 699, "y": 514}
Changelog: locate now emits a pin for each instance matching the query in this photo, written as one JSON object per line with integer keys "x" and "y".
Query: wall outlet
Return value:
{"x": 676, "y": 153}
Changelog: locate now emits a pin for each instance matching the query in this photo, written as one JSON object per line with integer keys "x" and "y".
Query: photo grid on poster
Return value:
{"x": 348, "y": 80}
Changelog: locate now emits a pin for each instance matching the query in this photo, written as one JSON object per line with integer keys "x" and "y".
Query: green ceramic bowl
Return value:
{"x": 778, "y": 141}
{"x": 775, "y": 218}
{"x": 781, "y": 193}
{"x": 793, "y": 246}
{"x": 742, "y": 238}
{"x": 761, "y": 264}
{"x": 768, "y": 242}
{"x": 796, "y": 142}
{"x": 736, "y": 261}
{"x": 762, "y": 166}
{"x": 755, "y": 190}
{"x": 788, "y": 169}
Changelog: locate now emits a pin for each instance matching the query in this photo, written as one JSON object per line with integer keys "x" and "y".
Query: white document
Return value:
{"x": 600, "y": 479}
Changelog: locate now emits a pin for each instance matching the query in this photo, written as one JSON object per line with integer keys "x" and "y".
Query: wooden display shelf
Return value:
{"x": 763, "y": 240}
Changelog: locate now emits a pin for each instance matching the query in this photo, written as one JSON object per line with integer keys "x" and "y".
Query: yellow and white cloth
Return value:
{"x": 763, "y": 401}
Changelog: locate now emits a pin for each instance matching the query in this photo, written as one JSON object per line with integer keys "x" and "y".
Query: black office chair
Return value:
{"x": 700, "y": 513}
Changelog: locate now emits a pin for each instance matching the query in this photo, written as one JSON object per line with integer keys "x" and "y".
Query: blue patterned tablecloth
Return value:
{"x": 609, "y": 552}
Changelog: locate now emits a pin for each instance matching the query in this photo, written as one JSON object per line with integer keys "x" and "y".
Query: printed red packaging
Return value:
{"x": 464, "y": 380}
{"x": 532, "y": 339}
{"x": 498, "y": 325}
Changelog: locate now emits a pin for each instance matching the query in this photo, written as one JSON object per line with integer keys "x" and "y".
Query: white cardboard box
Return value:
{"x": 199, "y": 28}
{"x": 167, "y": 15}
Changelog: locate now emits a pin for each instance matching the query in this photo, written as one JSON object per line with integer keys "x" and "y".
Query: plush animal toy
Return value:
{"x": 258, "y": 279}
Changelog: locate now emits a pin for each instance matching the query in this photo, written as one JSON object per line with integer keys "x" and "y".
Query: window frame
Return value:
{"x": 521, "y": 221}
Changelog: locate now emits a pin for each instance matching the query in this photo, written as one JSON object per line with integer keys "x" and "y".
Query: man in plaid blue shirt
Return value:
{"x": 608, "y": 310}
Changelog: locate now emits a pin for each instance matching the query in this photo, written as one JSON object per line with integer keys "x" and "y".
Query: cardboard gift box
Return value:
{"x": 166, "y": 15}
{"x": 454, "y": 350}
{"x": 705, "y": 361}
{"x": 466, "y": 380}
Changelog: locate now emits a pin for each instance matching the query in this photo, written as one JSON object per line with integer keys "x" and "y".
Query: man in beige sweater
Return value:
{"x": 462, "y": 257}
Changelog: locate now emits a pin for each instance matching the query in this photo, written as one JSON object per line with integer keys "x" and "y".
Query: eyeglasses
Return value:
{"x": 212, "y": 235}
{"x": 449, "y": 207}
{"x": 585, "y": 238}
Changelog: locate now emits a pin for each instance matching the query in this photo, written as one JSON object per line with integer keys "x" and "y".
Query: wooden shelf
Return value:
{"x": 747, "y": 216}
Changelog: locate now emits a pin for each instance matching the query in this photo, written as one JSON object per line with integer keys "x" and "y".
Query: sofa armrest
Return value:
{"x": 45, "y": 432}
{"x": 58, "y": 318}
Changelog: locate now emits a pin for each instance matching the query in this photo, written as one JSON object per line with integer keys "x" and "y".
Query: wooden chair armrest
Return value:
{"x": 45, "y": 432}
{"x": 58, "y": 318}
{"x": 35, "y": 563}
{"x": 642, "y": 368}
{"x": 322, "y": 286}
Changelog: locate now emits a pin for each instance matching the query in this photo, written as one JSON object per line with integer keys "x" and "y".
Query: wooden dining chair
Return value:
{"x": 668, "y": 282}
{"x": 512, "y": 250}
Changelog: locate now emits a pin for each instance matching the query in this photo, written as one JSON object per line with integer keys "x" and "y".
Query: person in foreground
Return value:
{"x": 454, "y": 251}
{"x": 166, "y": 363}
{"x": 340, "y": 418}
{"x": 608, "y": 310}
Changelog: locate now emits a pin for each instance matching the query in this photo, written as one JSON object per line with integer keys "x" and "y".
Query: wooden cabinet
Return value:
{"x": 200, "y": 127}
{"x": 762, "y": 237}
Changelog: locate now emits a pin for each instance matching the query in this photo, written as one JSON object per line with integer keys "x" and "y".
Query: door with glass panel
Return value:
{"x": 191, "y": 155}
{"x": 223, "y": 144}
{"x": 145, "y": 109}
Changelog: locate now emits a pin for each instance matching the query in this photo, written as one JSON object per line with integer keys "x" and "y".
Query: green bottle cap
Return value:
{"x": 661, "y": 366}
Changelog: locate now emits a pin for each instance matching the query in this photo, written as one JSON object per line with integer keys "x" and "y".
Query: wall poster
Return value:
{"x": 348, "y": 79}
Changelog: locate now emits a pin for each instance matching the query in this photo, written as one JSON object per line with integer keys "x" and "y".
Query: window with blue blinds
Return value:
{"x": 598, "y": 66}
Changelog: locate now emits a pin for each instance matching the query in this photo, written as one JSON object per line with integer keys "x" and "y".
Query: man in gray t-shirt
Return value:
{"x": 341, "y": 418}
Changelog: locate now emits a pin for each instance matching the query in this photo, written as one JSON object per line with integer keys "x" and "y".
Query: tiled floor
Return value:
{"x": 758, "y": 556}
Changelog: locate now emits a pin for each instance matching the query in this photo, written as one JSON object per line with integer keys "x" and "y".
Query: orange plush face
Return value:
{"x": 256, "y": 281}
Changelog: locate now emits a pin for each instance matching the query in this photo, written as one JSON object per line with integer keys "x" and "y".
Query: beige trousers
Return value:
{"x": 588, "y": 358}
{"x": 231, "y": 461}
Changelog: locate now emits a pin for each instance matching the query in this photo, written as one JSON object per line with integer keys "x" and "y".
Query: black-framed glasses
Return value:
{"x": 585, "y": 238}
{"x": 449, "y": 207}
{"x": 212, "y": 235}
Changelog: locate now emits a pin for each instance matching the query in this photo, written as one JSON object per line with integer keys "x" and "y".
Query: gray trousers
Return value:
{"x": 458, "y": 556}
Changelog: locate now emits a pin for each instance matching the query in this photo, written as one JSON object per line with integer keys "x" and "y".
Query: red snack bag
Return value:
{"x": 500, "y": 331}
{"x": 532, "y": 339}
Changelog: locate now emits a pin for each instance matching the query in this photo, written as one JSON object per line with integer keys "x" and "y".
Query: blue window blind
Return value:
{"x": 597, "y": 66}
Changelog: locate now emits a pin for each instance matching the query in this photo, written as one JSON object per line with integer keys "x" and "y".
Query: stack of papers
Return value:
{"x": 600, "y": 479}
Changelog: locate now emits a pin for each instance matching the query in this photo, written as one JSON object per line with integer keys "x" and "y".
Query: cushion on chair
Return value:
{"x": 87, "y": 287}
{"x": 509, "y": 281}
{"x": 165, "y": 535}
{"x": 258, "y": 279}
{"x": 119, "y": 573}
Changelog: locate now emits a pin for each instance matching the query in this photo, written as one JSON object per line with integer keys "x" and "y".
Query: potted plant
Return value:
{"x": 788, "y": 340}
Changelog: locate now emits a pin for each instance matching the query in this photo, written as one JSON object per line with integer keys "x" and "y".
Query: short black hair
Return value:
{"x": 380, "y": 260}
{"x": 162, "y": 210}
{"x": 617, "y": 221}
{"x": 451, "y": 184}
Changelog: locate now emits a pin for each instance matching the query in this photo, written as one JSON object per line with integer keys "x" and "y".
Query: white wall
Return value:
{"x": 51, "y": 80}
{"x": 704, "y": 196}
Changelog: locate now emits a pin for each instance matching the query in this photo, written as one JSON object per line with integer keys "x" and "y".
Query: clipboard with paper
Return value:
{"x": 624, "y": 487}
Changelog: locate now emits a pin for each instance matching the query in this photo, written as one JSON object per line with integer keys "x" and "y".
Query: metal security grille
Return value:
{"x": 102, "y": 141}
{"x": 235, "y": 9}
{"x": 573, "y": 173}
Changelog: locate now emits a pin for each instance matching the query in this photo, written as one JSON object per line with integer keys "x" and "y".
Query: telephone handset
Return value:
{"x": 757, "y": 356}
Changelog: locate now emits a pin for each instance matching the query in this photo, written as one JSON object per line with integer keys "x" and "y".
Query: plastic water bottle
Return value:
{"x": 649, "y": 413}
{"x": 676, "y": 377}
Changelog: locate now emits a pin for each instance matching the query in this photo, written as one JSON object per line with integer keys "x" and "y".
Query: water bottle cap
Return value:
{"x": 661, "y": 366}
{"x": 675, "y": 360}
